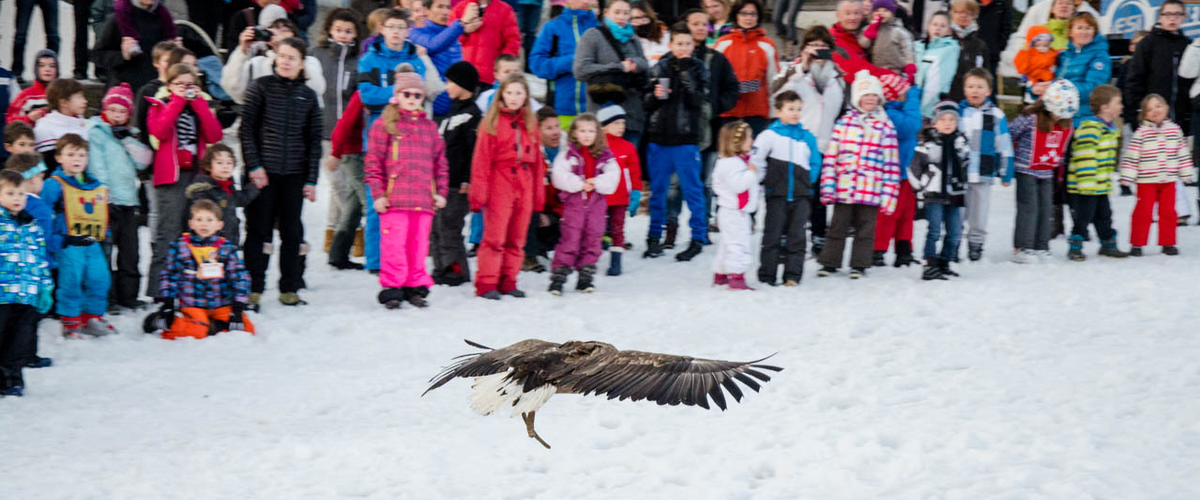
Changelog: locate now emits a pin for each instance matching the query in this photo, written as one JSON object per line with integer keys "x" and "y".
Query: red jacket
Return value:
{"x": 499, "y": 34}
{"x": 631, "y": 170}
{"x": 347, "y": 135}
{"x": 408, "y": 166}
{"x": 26, "y": 100}
{"x": 755, "y": 62}
{"x": 852, "y": 57}
{"x": 161, "y": 123}
{"x": 512, "y": 156}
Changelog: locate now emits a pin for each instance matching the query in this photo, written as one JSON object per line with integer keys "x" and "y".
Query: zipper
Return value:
{"x": 341, "y": 83}
{"x": 579, "y": 91}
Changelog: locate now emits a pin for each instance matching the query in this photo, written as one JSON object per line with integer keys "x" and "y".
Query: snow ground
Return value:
{"x": 1056, "y": 381}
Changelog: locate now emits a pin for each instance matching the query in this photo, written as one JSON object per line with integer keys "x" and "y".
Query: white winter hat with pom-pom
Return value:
{"x": 864, "y": 83}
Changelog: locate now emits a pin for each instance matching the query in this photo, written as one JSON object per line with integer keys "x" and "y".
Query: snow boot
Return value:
{"x": 558, "y": 279}
{"x": 1135, "y": 252}
{"x": 669, "y": 241}
{"x": 415, "y": 295}
{"x": 39, "y": 362}
{"x": 346, "y": 265}
{"x": 1108, "y": 248}
{"x": 303, "y": 261}
{"x": 904, "y": 255}
{"x": 826, "y": 271}
{"x": 474, "y": 250}
{"x": 974, "y": 251}
{"x": 1076, "y": 249}
{"x": 720, "y": 279}
{"x": 491, "y": 295}
{"x": 1025, "y": 256}
{"x": 530, "y": 263}
{"x": 857, "y": 272}
{"x": 291, "y": 299}
{"x": 96, "y": 326}
{"x": 614, "y": 262}
{"x": 653, "y": 249}
{"x": 738, "y": 282}
{"x": 791, "y": 283}
{"x": 946, "y": 271}
{"x": 694, "y": 248}
{"x": 584, "y": 283}
{"x": 359, "y": 247}
{"x": 877, "y": 259}
{"x": 254, "y": 302}
{"x": 391, "y": 298}
{"x": 933, "y": 270}
{"x": 1170, "y": 250}
{"x": 516, "y": 294}
{"x": 1126, "y": 191}
{"x": 1181, "y": 221}
{"x": 818, "y": 244}
{"x": 328, "y": 239}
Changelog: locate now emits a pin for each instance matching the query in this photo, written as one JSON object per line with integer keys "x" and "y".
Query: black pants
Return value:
{"x": 49, "y": 22}
{"x": 446, "y": 243}
{"x": 540, "y": 240}
{"x": 1094, "y": 210}
{"x": 862, "y": 219}
{"x": 784, "y": 219}
{"x": 278, "y": 203}
{"x": 207, "y": 16}
{"x": 18, "y": 341}
{"x": 818, "y": 219}
{"x": 123, "y": 224}
{"x": 83, "y": 12}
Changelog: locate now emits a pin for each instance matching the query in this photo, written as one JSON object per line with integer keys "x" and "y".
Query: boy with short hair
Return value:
{"x": 81, "y": 217}
{"x": 33, "y": 170}
{"x": 205, "y": 278}
{"x": 18, "y": 138}
{"x": 161, "y": 55}
{"x": 29, "y": 105}
{"x": 938, "y": 175}
{"x": 986, "y": 129}
{"x": 67, "y": 105}
{"x": 458, "y": 129}
{"x": 216, "y": 185}
{"x": 25, "y": 284}
{"x": 506, "y": 65}
{"x": 544, "y": 226}
{"x": 1089, "y": 174}
{"x": 629, "y": 191}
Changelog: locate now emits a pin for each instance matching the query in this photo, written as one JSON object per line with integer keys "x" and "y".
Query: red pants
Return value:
{"x": 1143, "y": 214}
{"x": 197, "y": 323}
{"x": 505, "y": 225}
{"x": 616, "y": 224}
{"x": 898, "y": 225}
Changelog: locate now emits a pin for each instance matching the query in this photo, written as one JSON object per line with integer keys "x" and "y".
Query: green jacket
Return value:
{"x": 1093, "y": 158}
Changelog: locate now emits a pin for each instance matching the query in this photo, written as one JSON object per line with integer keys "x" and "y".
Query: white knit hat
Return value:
{"x": 864, "y": 83}
{"x": 270, "y": 14}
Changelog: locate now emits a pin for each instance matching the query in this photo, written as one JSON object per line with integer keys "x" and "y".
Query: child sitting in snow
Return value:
{"x": 735, "y": 185}
{"x": 205, "y": 278}
{"x": 938, "y": 175}
{"x": 584, "y": 173}
{"x": 1036, "y": 61}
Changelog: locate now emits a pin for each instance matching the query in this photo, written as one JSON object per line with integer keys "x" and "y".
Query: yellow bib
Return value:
{"x": 86, "y": 210}
{"x": 208, "y": 265}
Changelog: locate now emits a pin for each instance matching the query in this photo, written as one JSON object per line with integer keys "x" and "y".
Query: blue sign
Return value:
{"x": 1126, "y": 17}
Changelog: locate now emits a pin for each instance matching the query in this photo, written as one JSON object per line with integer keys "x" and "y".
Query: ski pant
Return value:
{"x": 784, "y": 220}
{"x": 941, "y": 215}
{"x": 683, "y": 161}
{"x": 1094, "y": 210}
{"x": 476, "y": 235}
{"x": 404, "y": 246}
{"x": 354, "y": 198}
{"x": 616, "y": 224}
{"x": 845, "y": 216}
{"x": 84, "y": 277}
{"x": 21, "y": 33}
{"x": 1035, "y": 206}
{"x": 979, "y": 198}
{"x": 371, "y": 234}
{"x": 123, "y": 228}
{"x": 278, "y": 203}
{"x": 505, "y": 227}
{"x": 198, "y": 323}
{"x": 819, "y": 219}
{"x": 170, "y": 205}
{"x": 18, "y": 341}
{"x": 447, "y": 245}
{"x": 541, "y": 239}
{"x": 83, "y": 12}
{"x": 582, "y": 229}
{"x": 899, "y": 224}
{"x": 528, "y": 18}
{"x": 207, "y": 16}
{"x": 1143, "y": 214}
{"x": 733, "y": 250}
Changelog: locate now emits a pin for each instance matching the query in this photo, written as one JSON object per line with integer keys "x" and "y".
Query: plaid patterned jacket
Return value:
{"x": 407, "y": 166}
{"x": 862, "y": 162}
{"x": 180, "y": 281}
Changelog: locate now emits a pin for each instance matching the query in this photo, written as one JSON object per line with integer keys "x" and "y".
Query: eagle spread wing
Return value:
{"x": 491, "y": 362}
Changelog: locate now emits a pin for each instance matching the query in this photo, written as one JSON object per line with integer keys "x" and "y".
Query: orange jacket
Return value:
{"x": 755, "y": 62}
{"x": 1037, "y": 66}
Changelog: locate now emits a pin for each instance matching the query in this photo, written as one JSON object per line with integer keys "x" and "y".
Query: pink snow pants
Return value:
{"x": 403, "y": 247}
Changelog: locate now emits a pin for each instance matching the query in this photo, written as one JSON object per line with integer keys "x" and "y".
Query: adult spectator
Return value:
{"x": 610, "y": 62}
{"x": 253, "y": 60}
{"x": 281, "y": 146}
{"x": 126, "y": 58}
{"x": 818, "y": 82}
{"x": 529, "y": 17}
{"x": 440, "y": 37}
{"x": 722, "y": 81}
{"x": 651, "y": 33}
{"x": 848, "y": 54}
{"x": 49, "y": 23}
{"x": 1054, "y": 14}
{"x": 366, "y": 7}
{"x": 1152, "y": 68}
{"x": 499, "y": 34}
{"x": 755, "y": 61}
{"x": 553, "y": 57}
{"x": 719, "y": 22}
{"x": 242, "y": 19}
{"x": 1085, "y": 62}
{"x": 973, "y": 51}
{"x": 995, "y": 23}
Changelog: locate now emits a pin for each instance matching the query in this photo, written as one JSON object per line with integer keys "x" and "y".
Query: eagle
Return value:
{"x": 526, "y": 374}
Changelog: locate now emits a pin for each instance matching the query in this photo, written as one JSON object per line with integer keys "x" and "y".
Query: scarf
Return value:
{"x": 226, "y": 185}
{"x": 953, "y": 171}
{"x": 622, "y": 34}
{"x": 960, "y": 32}
{"x": 1049, "y": 147}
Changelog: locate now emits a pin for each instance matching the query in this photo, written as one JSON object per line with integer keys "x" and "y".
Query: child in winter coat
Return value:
{"x": 81, "y": 216}
{"x": 67, "y": 104}
{"x": 905, "y": 115}
{"x": 584, "y": 172}
{"x": 25, "y": 284}
{"x": 860, "y": 175}
{"x": 346, "y": 149}
{"x": 337, "y": 52}
{"x": 405, "y": 166}
{"x": 506, "y": 183}
{"x": 216, "y": 185}
{"x": 628, "y": 195}
{"x": 205, "y": 279}
{"x": 891, "y": 45}
{"x": 938, "y": 174}
{"x": 735, "y": 185}
{"x": 937, "y": 61}
{"x": 788, "y": 164}
{"x": 1037, "y": 61}
{"x": 1156, "y": 159}
{"x": 459, "y": 129}
{"x": 30, "y": 105}
{"x": 986, "y": 129}
{"x": 1089, "y": 173}
{"x": 1041, "y": 137}
{"x": 33, "y": 170}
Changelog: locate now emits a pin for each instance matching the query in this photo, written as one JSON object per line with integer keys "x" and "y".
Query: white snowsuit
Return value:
{"x": 736, "y": 189}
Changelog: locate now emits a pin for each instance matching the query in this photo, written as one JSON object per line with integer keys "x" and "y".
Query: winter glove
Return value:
{"x": 237, "y": 319}
{"x": 910, "y": 70}
{"x": 635, "y": 199}
{"x": 45, "y": 298}
{"x": 167, "y": 307}
{"x": 78, "y": 241}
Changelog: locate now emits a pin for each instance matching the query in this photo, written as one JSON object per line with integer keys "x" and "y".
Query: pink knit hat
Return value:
{"x": 406, "y": 80}
{"x": 121, "y": 95}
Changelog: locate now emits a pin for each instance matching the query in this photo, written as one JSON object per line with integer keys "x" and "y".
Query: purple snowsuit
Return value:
{"x": 583, "y": 223}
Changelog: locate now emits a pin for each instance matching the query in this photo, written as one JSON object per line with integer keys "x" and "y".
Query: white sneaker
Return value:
{"x": 1025, "y": 257}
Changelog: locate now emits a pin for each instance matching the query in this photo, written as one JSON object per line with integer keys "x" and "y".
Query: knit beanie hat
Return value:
{"x": 890, "y": 5}
{"x": 610, "y": 113}
{"x": 464, "y": 75}
{"x": 946, "y": 106}
{"x": 864, "y": 83}
{"x": 270, "y": 14}
{"x": 1062, "y": 98}
{"x": 406, "y": 79}
{"x": 121, "y": 95}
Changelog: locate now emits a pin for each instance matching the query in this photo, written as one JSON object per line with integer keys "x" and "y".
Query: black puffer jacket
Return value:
{"x": 281, "y": 127}
{"x": 1152, "y": 70}
{"x": 207, "y": 188}
{"x": 974, "y": 54}
{"x": 677, "y": 120}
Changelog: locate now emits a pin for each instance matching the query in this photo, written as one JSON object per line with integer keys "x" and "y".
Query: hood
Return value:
{"x": 581, "y": 14}
{"x": 1097, "y": 45}
{"x": 89, "y": 182}
{"x": 408, "y": 51}
{"x": 937, "y": 43}
{"x": 1034, "y": 31}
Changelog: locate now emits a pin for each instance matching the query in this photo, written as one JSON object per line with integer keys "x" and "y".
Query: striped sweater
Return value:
{"x": 861, "y": 165}
{"x": 1093, "y": 158}
{"x": 1157, "y": 154}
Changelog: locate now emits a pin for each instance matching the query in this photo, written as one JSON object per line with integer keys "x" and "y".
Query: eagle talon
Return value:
{"x": 528, "y": 418}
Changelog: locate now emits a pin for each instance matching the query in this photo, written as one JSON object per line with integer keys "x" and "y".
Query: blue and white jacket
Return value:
{"x": 788, "y": 161}
{"x": 986, "y": 129}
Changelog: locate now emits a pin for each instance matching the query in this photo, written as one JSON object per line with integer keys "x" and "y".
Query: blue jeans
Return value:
{"x": 939, "y": 215}
{"x": 476, "y": 228}
{"x": 49, "y": 22}
{"x": 528, "y": 18}
{"x": 675, "y": 195}
{"x": 371, "y": 235}
{"x": 683, "y": 161}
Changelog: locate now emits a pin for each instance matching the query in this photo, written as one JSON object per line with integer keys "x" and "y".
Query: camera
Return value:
{"x": 824, "y": 54}
{"x": 261, "y": 34}
{"x": 190, "y": 93}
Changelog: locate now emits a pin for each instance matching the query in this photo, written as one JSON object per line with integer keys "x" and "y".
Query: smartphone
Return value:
{"x": 825, "y": 54}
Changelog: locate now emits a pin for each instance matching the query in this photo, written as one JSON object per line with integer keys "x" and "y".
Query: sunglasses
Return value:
{"x": 412, "y": 95}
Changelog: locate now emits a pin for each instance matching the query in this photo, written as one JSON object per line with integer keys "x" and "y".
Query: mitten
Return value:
{"x": 872, "y": 30}
{"x": 45, "y": 298}
{"x": 911, "y": 71}
{"x": 78, "y": 241}
{"x": 635, "y": 199}
{"x": 237, "y": 321}
{"x": 167, "y": 306}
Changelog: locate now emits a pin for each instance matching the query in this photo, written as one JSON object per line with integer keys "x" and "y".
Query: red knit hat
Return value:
{"x": 121, "y": 95}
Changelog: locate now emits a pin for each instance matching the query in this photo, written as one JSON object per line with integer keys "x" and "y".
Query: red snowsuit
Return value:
{"x": 507, "y": 172}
